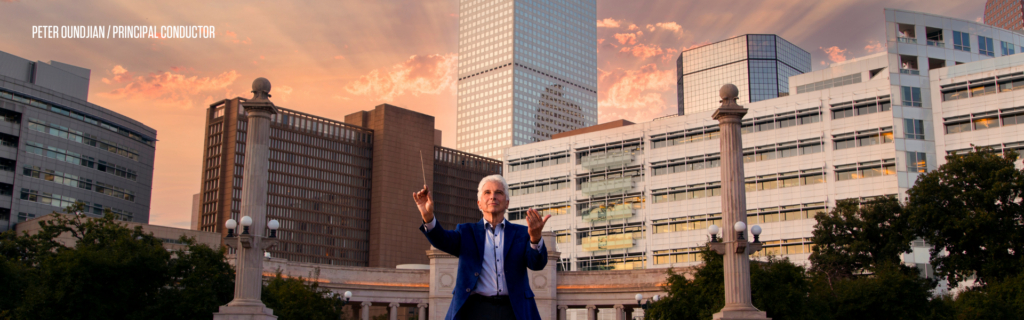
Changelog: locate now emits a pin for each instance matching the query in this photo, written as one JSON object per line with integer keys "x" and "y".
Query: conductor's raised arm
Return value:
{"x": 444, "y": 240}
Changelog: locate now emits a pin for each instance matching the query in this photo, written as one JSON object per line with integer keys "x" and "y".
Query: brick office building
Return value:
{"x": 342, "y": 189}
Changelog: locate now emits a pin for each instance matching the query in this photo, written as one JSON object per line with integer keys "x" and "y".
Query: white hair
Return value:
{"x": 495, "y": 178}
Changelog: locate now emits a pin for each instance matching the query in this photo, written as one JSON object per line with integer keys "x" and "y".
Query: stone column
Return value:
{"x": 364, "y": 312}
{"x": 393, "y": 311}
{"x": 562, "y": 312}
{"x": 249, "y": 257}
{"x": 738, "y": 303}
{"x": 620, "y": 312}
{"x": 591, "y": 312}
{"x": 422, "y": 311}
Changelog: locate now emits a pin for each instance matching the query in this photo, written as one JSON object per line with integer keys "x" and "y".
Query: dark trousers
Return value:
{"x": 488, "y": 308}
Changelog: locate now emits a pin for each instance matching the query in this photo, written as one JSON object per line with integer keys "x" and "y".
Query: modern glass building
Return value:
{"x": 57, "y": 149}
{"x": 527, "y": 71}
{"x": 758, "y": 64}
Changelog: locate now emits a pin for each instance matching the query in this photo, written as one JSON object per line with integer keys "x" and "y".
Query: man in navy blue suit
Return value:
{"x": 493, "y": 255}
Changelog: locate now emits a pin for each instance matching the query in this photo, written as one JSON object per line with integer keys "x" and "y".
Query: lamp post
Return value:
{"x": 251, "y": 244}
{"x": 646, "y": 304}
{"x": 734, "y": 248}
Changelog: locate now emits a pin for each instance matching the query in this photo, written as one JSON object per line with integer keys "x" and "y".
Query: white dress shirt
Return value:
{"x": 491, "y": 281}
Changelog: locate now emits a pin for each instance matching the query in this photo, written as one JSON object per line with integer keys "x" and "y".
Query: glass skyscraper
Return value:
{"x": 527, "y": 71}
{"x": 758, "y": 64}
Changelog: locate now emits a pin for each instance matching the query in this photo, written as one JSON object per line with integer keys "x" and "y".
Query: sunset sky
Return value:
{"x": 332, "y": 58}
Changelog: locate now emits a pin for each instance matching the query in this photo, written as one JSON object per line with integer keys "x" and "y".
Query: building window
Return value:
{"x": 908, "y": 65}
{"x": 913, "y": 128}
{"x": 916, "y": 162}
{"x": 961, "y": 41}
{"x": 985, "y": 46}
{"x": 911, "y": 96}
{"x": 934, "y": 37}
{"x": 1007, "y": 48}
{"x": 985, "y": 123}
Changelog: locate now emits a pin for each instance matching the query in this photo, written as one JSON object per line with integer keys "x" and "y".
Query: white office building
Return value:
{"x": 642, "y": 195}
{"x": 527, "y": 71}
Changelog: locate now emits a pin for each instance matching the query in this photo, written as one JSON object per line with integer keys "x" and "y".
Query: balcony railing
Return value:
{"x": 620, "y": 211}
{"x": 605, "y": 161}
{"x": 907, "y": 40}
{"x": 910, "y": 71}
{"x": 619, "y": 185}
{"x": 615, "y": 241}
{"x": 934, "y": 43}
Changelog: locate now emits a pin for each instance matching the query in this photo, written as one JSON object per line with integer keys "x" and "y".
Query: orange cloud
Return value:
{"x": 633, "y": 27}
{"x": 339, "y": 57}
{"x": 874, "y": 46}
{"x": 670, "y": 26}
{"x": 834, "y": 54}
{"x": 635, "y": 94}
{"x": 234, "y": 38}
{"x": 643, "y": 51}
{"x": 626, "y": 38}
{"x": 168, "y": 88}
{"x": 420, "y": 74}
{"x": 608, "y": 23}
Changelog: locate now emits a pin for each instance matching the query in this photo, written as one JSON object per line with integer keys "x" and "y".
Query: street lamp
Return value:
{"x": 348, "y": 295}
{"x": 646, "y": 304}
{"x": 713, "y": 231}
{"x": 273, "y": 225}
{"x": 246, "y": 222}
{"x": 231, "y": 225}
{"x": 740, "y": 227}
{"x": 756, "y": 231}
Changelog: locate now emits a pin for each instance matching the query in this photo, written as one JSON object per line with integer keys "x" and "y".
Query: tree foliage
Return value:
{"x": 970, "y": 210}
{"x": 109, "y": 272}
{"x": 297, "y": 298}
{"x": 852, "y": 238}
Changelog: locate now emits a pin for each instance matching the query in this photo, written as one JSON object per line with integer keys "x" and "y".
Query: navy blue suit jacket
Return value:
{"x": 467, "y": 243}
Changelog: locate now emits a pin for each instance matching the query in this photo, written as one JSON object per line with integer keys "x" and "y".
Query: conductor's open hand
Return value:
{"x": 426, "y": 204}
{"x": 535, "y": 224}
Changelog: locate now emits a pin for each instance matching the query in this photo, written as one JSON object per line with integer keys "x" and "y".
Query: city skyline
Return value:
{"x": 368, "y": 57}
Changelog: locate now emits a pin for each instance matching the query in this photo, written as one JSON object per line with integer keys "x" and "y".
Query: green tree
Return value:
{"x": 778, "y": 287}
{"x": 112, "y": 272}
{"x": 970, "y": 210}
{"x": 996, "y": 300}
{"x": 853, "y": 238}
{"x": 294, "y": 298}
{"x": 201, "y": 280}
{"x": 891, "y": 292}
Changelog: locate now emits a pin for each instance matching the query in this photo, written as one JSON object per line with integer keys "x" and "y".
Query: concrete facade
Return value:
{"x": 642, "y": 196}
{"x": 56, "y": 148}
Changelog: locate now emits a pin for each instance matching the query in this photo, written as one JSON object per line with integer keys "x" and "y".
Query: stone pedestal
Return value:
{"x": 244, "y": 313}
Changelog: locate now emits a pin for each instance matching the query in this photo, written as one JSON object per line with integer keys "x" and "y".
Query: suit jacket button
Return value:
{"x": 476, "y": 274}
{"x": 467, "y": 289}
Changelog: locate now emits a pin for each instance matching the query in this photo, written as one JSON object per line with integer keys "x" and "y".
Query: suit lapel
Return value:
{"x": 510, "y": 233}
{"x": 478, "y": 236}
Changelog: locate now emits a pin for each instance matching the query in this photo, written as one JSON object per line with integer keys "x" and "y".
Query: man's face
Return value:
{"x": 493, "y": 198}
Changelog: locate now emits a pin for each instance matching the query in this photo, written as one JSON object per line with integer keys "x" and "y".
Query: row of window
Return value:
{"x": 861, "y": 107}
{"x": 330, "y": 128}
{"x": 358, "y": 219}
{"x": 76, "y": 158}
{"x": 84, "y": 138}
{"x": 985, "y": 120}
{"x": 862, "y": 138}
{"x": 347, "y": 168}
{"x": 77, "y": 116}
{"x": 998, "y": 148}
{"x": 76, "y": 181}
{"x": 867, "y": 169}
{"x": 554, "y": 209}
{"x": 982, "y": 87}
{"x": 62, "y": 202}
{"x": 297, "y": 184}
{"x": 538, "y": 162}
{"x": 781, "y": 120}
{"x": 328, "y": 154}
{"x": 539, "y": 186}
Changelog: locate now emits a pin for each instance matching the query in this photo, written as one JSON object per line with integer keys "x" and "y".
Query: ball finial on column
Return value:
{"x": 260, "y": 89}
{"x": 729, "y": 94}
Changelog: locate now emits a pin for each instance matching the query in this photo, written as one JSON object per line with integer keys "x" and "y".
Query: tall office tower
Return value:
{"x": 758, "y": 64}
{"x": 56, "y": 148}
{"x": 527, "y": 70}
{"x": 333, "y": 185}
{"x": 1006, "y": 14}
